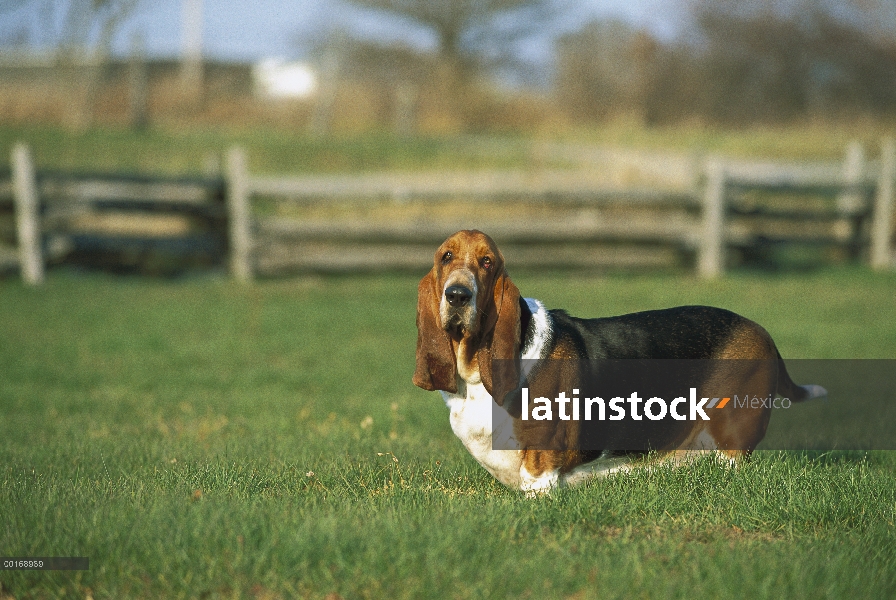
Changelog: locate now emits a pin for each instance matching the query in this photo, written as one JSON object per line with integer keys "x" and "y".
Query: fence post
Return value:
{"x": 850, "y": 201}
{"x": 882, "y": 218}
{"x": 24, "y": 190}
{"x": 712, "y": 245}
{"x": 239, "y": 214}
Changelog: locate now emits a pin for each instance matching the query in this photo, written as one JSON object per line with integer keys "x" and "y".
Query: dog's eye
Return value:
{"x": 486, "y": 262}
{"x": 446, "y": 258}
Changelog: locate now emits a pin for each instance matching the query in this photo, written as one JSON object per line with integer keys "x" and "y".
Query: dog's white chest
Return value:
{"x": 476, "y": 419}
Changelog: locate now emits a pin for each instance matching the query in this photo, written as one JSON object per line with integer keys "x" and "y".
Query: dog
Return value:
{"x": 491, "y": 353}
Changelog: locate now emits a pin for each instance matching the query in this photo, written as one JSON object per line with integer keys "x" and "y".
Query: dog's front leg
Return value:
{"x": 538, "y": 484}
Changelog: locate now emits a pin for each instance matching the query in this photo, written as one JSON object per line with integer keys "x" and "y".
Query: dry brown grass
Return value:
{"x": 80, "y": 99}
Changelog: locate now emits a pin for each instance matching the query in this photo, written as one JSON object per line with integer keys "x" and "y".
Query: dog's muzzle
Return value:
{"x": 458, "y": 308}
{"x": 458, "y": 296}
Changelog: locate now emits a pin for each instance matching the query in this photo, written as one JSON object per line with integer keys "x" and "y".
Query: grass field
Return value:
{"x": 199, "y": 439}
{"x": 186, "y": 151}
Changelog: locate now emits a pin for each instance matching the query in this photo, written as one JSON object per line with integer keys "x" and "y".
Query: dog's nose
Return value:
{"x": 458, "y": 295}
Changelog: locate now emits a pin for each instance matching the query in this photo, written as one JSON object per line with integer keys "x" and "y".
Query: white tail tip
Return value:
{"x": 814, "y": 391}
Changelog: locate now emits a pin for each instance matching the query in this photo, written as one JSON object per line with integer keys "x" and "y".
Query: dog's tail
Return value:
{"x": 786, "y": 388}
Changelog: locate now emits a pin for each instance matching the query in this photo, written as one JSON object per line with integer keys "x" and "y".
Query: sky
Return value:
{"x": 237, "y": 30}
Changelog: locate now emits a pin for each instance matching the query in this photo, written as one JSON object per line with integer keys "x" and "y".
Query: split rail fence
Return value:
{"x": 564, "y": 218}
{"x": 720, "y": 212}
{"x": 57, "y": 215}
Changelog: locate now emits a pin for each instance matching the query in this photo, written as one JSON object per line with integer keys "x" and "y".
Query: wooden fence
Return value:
{"x": 730, "y": 206}
{"x": 712, "y": 214}
{"x": 57, "y": 215}
{"x": 859, "y": 218}
{"x": 397, "y": 220}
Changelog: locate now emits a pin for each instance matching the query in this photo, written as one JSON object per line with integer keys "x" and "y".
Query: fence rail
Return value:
{"x": 59, "y": 214}
{"x": 709, "y": 211}
{"x": 561, "y": 186}
{"x": 712, "y": 222}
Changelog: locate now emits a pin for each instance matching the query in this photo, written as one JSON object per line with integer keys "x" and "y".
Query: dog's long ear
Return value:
{"x": 436, "y": 364}
{"x": 499, "y": 357}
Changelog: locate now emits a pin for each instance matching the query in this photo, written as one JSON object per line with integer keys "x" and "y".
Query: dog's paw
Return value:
{"x": 538, "y": 485}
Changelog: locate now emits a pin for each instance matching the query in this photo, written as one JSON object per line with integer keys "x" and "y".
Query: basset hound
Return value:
{"x": 491, "y": 354}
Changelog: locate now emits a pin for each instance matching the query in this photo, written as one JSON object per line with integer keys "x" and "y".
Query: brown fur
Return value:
{"x": 496, "y": 335}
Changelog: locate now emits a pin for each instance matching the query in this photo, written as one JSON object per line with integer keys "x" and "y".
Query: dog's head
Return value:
{"x": 467, "y": 301}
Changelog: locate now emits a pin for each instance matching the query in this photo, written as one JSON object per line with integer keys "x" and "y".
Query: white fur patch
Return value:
{"x": 600, "y": 467}
{"x": 472, "y": 410}
{"x": 537, "y": 485}
{"x": 539, "y": 336}
{"x": 814, "y": 391}
{"x": 703, "y": 441}
{"x": 471, "y": 421}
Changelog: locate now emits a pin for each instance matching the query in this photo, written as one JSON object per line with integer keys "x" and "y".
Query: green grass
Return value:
{"x": 200, "y": 439}
{"x": 179, "y": 152}
{"x": 186, "y": 151}
{"x": 800, "y": 141}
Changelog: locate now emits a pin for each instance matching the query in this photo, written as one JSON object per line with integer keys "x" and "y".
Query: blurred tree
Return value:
{"x": 794, "y": 58}
{"x": 474, "y": 34}
{"x": 66, "y": 26}
{"x": 450, "y": 84}
{"x": 388, "y": 74}
{"x": 603, "y": 70}
{"x": 742, "y": 61}
{"x": 79, "y": 33}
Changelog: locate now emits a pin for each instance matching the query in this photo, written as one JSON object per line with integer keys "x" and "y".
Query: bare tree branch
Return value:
{"x": 68, "y": 25}
{"x": 474, "y": 34}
